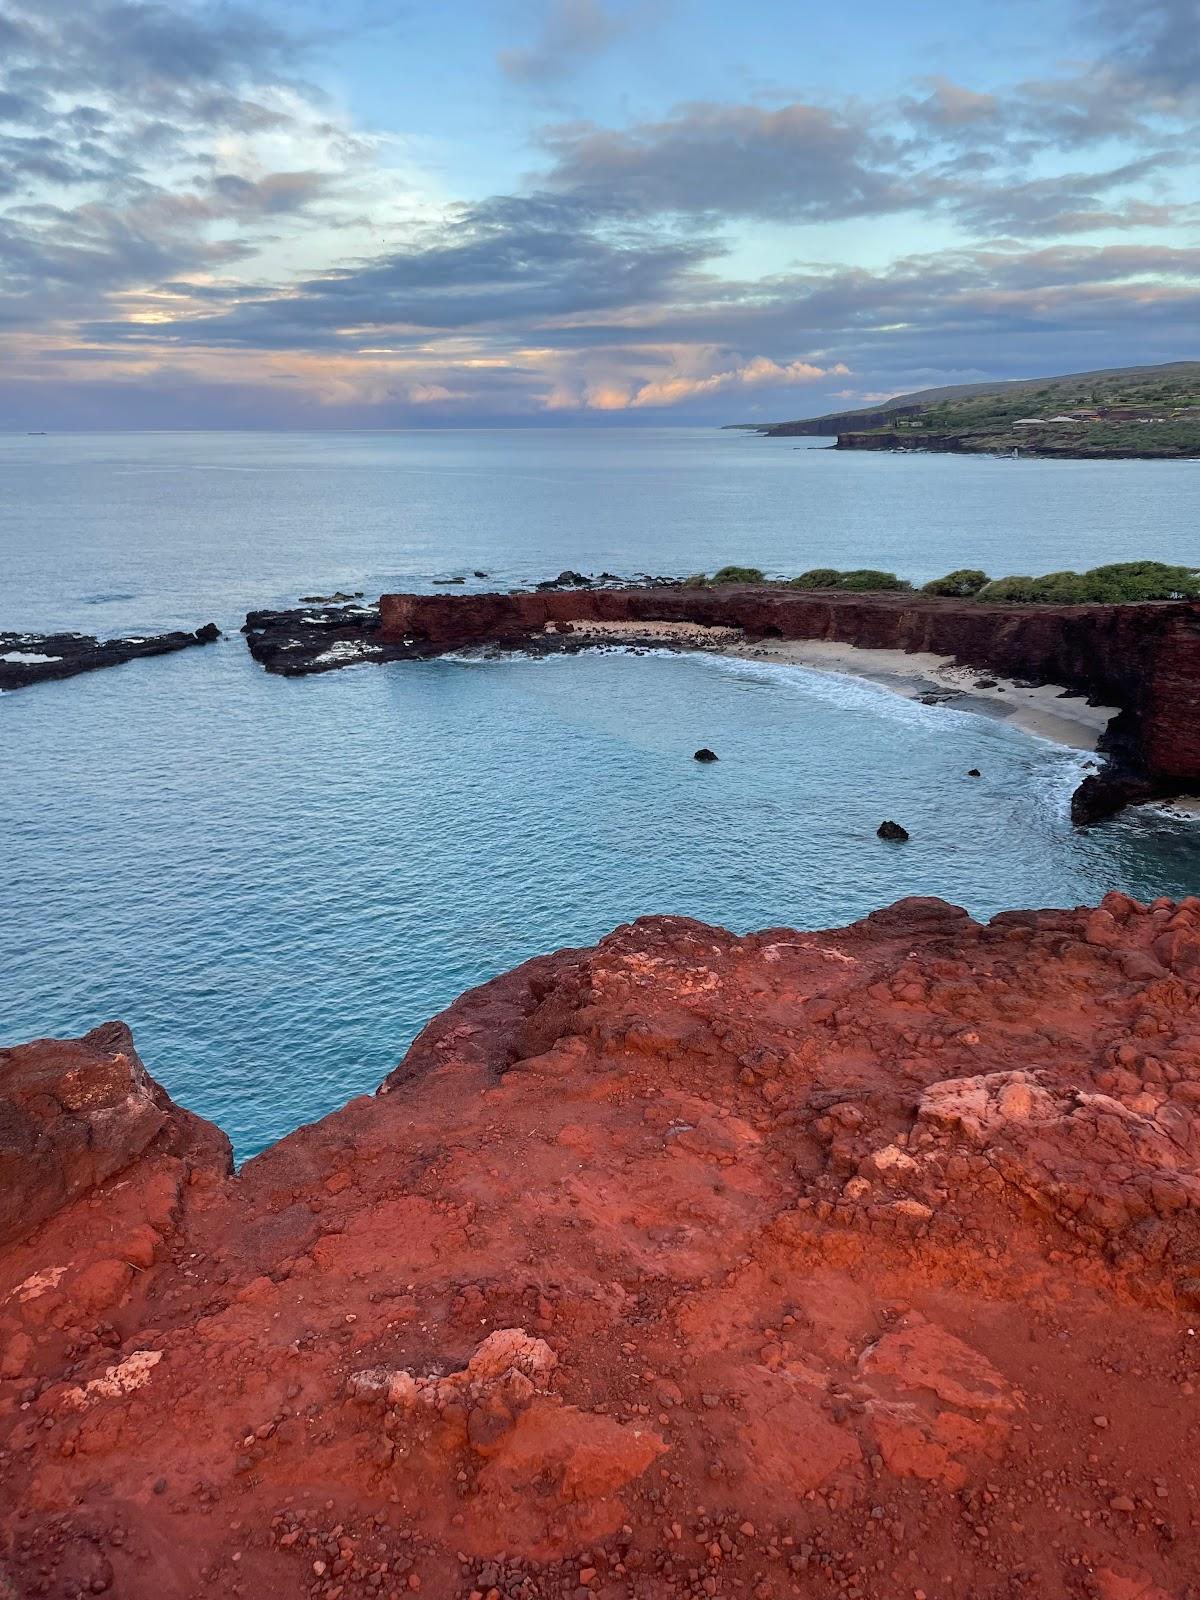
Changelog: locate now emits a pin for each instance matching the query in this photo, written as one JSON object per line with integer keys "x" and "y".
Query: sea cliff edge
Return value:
{"x": 860, "y": 1263}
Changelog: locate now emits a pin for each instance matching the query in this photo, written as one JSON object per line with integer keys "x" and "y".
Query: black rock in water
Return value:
{"x": 28, "y": 658}
{"x": 893, "y": 831}
{"x": 974, "y": 772}
{"x": 706, "y": 754}
{"x": 318, "y": 639}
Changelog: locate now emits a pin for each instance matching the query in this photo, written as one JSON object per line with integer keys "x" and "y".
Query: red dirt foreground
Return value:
{"x": 860, "y": 1264}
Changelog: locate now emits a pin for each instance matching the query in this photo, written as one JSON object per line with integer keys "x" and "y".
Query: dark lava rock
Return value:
{"x": 705, "y": 754}
{"x": 1105, "y": 793}
{"x": 974, "y": 772}
{"x": 985, "y": 683}
{"x": 479, "y": 574}
{"x": 319, "y": 639}
{"x": 336, "y": 598}
{"x": 567, "y": 579}
{"x": 39, "y": 657}
{"x": 447, "y": 581}
{"x": 893, "y": 831}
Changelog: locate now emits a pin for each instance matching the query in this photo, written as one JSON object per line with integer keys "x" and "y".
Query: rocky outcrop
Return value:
{"x": 891, "y": 439}
{"x": 1143, "y": 658}
{"x": 28, "y": 658}
{"x": 75, "y": 1112}
{"x": 316, "y": 638}
{"x": 859, "y": 1263}
{"x": 1043, "y": 442}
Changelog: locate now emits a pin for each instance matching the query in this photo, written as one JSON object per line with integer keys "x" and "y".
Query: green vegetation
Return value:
{"x": 1132, "y": 411}
{"x": 1119, "y": 583}
{"x": 738, "y": 575}
{"x": 960, "y": 584}
{"x": 857, "y": 580}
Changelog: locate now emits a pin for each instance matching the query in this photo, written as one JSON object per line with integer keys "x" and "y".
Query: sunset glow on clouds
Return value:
{"x": 582, "y": 210}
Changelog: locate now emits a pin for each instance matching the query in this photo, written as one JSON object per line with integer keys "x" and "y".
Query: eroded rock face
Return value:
{"x": 851, "y": 1263}
{"x": 73, "y": 1112}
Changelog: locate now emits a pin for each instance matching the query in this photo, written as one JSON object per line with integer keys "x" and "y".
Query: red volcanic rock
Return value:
{"x": 75, "y": 1111}
{"x": 1143, "y": 658}
{"x": 859, "y": 1263}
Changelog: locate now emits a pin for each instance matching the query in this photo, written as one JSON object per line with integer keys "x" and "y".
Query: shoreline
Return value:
{"x": 1042, "y": 710}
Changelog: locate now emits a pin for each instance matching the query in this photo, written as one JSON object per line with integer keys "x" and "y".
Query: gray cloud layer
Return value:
{"x": 609, "y": 275}
{"x": 573, "y": 31}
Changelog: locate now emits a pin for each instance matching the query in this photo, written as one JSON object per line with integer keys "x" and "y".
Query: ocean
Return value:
{"x": 277, "y": 883}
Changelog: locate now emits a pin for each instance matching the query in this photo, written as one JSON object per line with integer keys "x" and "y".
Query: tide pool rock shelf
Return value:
{"x": 29, "y": 658}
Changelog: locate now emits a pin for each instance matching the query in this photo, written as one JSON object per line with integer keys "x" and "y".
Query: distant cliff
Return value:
{"x": 1127, "y": 412}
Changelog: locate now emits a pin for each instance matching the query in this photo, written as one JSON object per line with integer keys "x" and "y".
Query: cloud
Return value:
{"x": 949, "y": 105}
{"x": 757, "y": 373}
{"x": 794, "y": 163}
{"x": 1156, "y": 42}
{"x": 506, "y": 265}
{"x": 935, "y": 317}
{"x": 573, "y": 31}
{"x": 1069, "y": 202}
{"x": 142, "y": 141}
{"x": 181, "y": 213}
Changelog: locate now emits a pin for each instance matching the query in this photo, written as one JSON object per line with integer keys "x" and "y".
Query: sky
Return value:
{"x": 381, "y": 214}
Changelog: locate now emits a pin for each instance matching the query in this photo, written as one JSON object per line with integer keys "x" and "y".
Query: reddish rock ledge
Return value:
{"x": 1143, "y": 658}
{"x": 857, "y": 1264}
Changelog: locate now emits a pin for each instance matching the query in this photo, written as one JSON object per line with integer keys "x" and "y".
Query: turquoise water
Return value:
{"x": 277, "y": 883}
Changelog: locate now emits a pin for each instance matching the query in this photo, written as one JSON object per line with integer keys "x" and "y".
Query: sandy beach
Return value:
{"x": 1042, "y": 709}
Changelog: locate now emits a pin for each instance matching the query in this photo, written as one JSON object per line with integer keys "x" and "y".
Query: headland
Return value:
{"x": 861, "y": 1263}
{"x": 1121, "y": 413}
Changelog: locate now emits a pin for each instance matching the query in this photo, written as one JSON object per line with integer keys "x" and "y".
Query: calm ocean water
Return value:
{"x": 278, "y": 883}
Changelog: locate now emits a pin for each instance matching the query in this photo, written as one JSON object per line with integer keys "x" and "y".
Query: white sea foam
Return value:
{"x": 348, "y": 650}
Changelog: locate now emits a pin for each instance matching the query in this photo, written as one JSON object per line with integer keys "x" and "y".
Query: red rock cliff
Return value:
{"x": 860, "y": 1264}
{"x": 1143, "y": 658}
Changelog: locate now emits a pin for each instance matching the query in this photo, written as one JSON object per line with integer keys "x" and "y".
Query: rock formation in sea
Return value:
{"x": 1144, "y": 659}
{"x": 862, "y": 1263}
{"x": 28, "y": 658}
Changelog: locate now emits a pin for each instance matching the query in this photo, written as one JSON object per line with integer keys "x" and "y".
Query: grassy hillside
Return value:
{"x": 1131, "y": 411}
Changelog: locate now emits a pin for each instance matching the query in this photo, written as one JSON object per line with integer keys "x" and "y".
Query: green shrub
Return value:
{"x": 1062, "y": 589}
{"x": 1119, "y": 583}
{"x": 1146, "y": 580}
{"x": 960, "y": 584}
{"x": 1019, "y": 590}
{"x": 859, "y": 579}
{"x": 867, "y": 578}
{"x": 738, "y": 575}
{"x": 816, "y": 578}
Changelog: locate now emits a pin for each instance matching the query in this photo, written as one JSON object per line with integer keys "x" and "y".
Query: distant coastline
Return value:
{"x": 1125, "y": 414}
